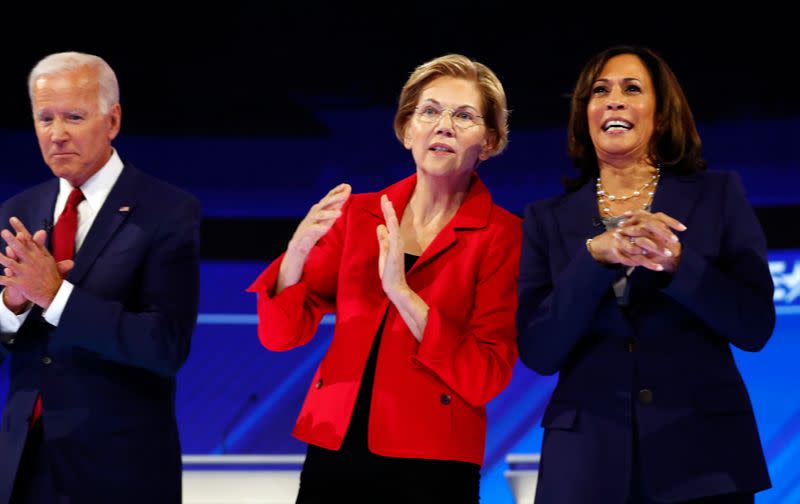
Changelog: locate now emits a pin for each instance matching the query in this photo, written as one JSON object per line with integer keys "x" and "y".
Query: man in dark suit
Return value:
{"x": 98, "y": 307}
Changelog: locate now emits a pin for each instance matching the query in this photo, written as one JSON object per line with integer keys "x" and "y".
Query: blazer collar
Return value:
{"x": 45, "y": 196}
{"x": 676, "y": 195}
{"x": 119, "y": 204}
{"x": 579, "y": 218}
{"x": 474, "y": 212}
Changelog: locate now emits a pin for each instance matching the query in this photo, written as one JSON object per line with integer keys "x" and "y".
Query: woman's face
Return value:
{"x": 447, "y": 134}
{"x": 621, "y": 110}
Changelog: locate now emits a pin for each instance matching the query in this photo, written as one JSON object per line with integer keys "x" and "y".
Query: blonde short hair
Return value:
{"x": 495, "y": 114}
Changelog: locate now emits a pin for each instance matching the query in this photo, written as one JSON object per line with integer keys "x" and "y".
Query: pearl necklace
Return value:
{"x": 604, "y": 198}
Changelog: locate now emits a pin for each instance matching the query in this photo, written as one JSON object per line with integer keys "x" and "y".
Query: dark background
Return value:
{"x": 252, "y": 69}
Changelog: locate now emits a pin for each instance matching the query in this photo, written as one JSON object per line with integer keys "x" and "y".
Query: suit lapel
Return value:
{"x": 579, "y": 219}
{"x": 37, "y": 210}
{"x": 399, "y": 194}
{"x": 118, "y": 205}
{"x": 473, "y": 213}
{"x": 676, "y": 196}
{"x": 43, "y": 210}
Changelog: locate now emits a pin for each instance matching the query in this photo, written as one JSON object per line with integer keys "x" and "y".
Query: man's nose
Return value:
{"x": 58, "y": 131}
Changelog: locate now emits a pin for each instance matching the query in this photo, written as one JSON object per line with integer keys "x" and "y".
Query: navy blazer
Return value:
{"x": 660, "y": 368}
{"x": 107, "y": 372}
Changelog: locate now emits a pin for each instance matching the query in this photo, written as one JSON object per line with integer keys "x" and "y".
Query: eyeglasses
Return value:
{"x": 463, "y": 118}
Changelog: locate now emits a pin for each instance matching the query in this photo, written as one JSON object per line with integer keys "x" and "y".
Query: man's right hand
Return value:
{"x": 317, "y": 222}
{"x": 12, "y": 297}
{"x": 14, "y": 300}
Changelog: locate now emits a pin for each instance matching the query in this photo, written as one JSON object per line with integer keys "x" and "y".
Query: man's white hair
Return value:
{"x": 58, "y": 63}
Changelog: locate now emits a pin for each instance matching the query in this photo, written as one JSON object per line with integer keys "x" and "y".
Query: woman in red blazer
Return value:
{"x": 422, "y": 277}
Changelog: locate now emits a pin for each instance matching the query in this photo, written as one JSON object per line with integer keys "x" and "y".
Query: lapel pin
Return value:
{"x": 124, "y": 209}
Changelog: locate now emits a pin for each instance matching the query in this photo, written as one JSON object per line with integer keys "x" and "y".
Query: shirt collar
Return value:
{"x": 97, "y": 188}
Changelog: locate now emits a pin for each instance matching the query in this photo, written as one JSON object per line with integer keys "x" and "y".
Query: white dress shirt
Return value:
{"x": 95, "y": 190}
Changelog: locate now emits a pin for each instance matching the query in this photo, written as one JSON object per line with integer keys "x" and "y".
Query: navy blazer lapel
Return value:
{"x": 118, "y": 205}
{"x": 578, "y": 218}
{"x": 676, "y": 195}
{"x": 42, "y": 217}
{"x": 38, "y": 206}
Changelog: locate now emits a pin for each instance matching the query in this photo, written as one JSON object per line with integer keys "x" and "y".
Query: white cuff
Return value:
{"x": 10, "y": 322}
{"x": 53, "y": 312}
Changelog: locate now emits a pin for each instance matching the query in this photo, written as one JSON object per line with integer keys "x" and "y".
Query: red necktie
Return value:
{"x": 63, "y": 240}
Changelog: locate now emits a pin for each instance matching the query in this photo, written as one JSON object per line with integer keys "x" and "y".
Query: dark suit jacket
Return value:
{"x": 107, "y": 372}
{"x": 663, "y": 363}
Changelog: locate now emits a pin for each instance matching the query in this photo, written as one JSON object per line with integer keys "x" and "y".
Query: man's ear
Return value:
{"x": 115, "y": 119}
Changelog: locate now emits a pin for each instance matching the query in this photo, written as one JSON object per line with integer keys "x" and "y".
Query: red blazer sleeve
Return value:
{"x": 476, "y": 359}
{"x": 290, "y": 319}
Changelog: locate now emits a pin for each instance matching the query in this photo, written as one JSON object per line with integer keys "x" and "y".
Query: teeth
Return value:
{"x": 440, "y": 149}
{"x": 617, "y": 124}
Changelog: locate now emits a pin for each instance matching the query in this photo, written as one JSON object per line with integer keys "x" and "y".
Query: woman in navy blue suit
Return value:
{"x": 633, "y": 286}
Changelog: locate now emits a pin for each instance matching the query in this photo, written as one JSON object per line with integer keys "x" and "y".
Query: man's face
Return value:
{"x": 74, "y": 135}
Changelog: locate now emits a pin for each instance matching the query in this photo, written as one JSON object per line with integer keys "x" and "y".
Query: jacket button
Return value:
{"x": 318, "y": 385}
{"x": 630, "y": 345}
{"x": 47, "y": 360}
{"x": 646, "y": 396}
{"x": 445, "y": 399}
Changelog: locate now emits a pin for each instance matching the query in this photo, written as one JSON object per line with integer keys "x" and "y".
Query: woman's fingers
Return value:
{"x": 637, "y": 216}
{"x": 638, "y": 260}
{"x": 335, "y": 197}
{"x": 642, "y": 244}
